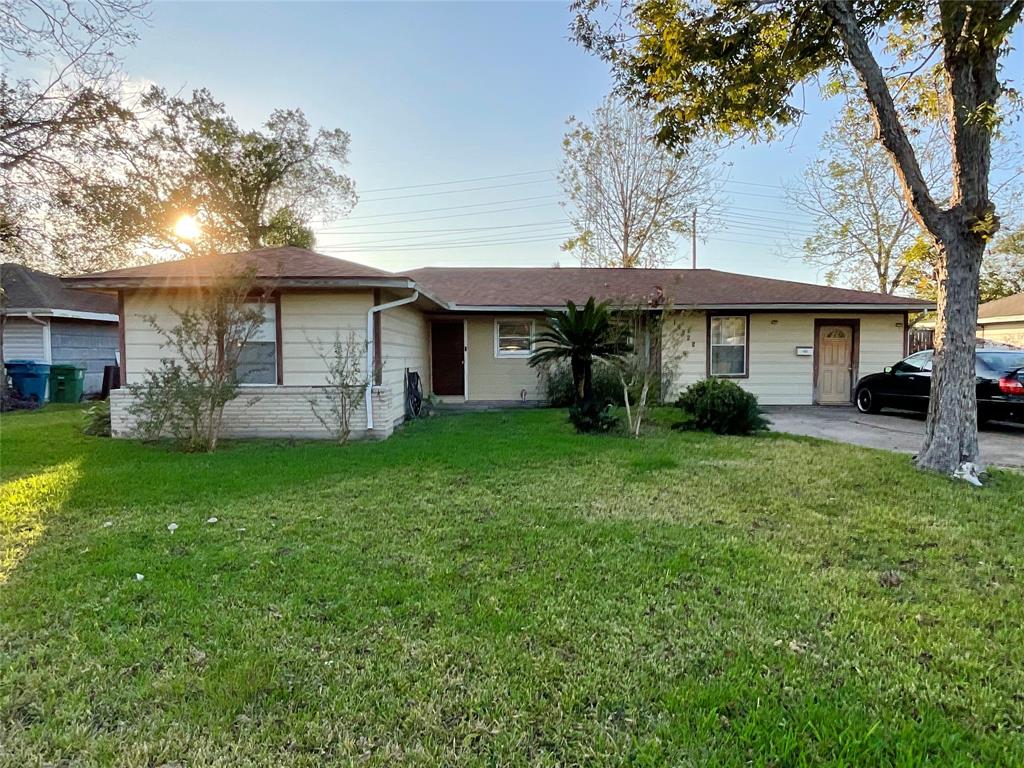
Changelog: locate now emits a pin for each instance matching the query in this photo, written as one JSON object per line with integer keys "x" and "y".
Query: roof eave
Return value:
{"x": 123, "y": 283}
{"x": 1018, "y": 318}
{"x": 746, "y": 307}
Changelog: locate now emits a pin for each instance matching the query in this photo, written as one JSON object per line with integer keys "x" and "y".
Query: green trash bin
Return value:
{"x": 66, "y": 383}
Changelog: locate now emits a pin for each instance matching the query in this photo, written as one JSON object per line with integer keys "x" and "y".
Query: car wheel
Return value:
{"x": 866, "y": 401}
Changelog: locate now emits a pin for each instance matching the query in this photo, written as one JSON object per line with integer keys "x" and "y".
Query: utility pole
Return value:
{"x": 693, "y": 237}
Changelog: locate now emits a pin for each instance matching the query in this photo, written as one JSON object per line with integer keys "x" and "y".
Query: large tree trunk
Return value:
{"x": 972, "y": 33}
{"x": 951, "y": 432}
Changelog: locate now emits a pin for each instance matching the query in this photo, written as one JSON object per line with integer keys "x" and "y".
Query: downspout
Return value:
{"x": 370, "y": 361}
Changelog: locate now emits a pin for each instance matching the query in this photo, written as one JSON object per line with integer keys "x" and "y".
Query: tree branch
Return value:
{"x": 890, "y": 129}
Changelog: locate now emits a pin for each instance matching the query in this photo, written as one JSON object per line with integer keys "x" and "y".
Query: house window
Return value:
{"x": 513, "y": 338}
{"x": 728, "y": 346}
{"x": 257, "y": 362}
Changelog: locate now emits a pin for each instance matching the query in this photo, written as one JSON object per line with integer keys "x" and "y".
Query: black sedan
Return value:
{"x": 907, "y": 384}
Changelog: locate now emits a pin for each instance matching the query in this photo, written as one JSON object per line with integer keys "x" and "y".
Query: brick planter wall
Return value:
{"x": 277, "y": 412}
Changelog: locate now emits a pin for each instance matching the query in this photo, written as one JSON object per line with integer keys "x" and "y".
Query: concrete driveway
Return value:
{"x": 1001, "y": 445}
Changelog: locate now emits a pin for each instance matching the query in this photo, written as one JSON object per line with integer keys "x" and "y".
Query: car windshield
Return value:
{"x": 1002, "y": 362}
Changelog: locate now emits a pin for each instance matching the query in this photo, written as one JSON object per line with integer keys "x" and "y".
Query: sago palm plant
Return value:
{"x": 579, "y": 335}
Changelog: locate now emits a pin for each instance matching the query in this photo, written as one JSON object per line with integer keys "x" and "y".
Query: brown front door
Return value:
{"x": 835, "y": 364}
{"x": 447, "y": 357}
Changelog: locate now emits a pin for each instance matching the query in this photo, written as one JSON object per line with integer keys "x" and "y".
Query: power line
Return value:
{"x": 443, "y": 231}
{"x": 757, "y": 228}
{"x": 715, "y": 239}
{"x": 447, "y": 208}
{"x": 769, "y": 219}
{"x": 460, "y": 191}
{"x": 753, "y": 184}
{"x": 458, "y": 181}
{"x": 371, "y": 243}
{"x": 443, "y": 246}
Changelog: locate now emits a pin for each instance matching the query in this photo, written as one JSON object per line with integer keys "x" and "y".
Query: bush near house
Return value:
{"x": 720, "y": 406}
{"x": 558, "y": 385}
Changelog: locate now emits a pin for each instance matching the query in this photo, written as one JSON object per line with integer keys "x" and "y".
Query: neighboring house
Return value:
{"x": 1002, "y": 321}
{"x": 468, "y": 331}
{"x": 50, "y": 323}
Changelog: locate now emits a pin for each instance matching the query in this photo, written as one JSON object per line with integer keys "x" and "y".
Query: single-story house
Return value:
{"x": 45, "y": 321}
{"x": 468, "y": 332}
{"x": 1002, "y": 321}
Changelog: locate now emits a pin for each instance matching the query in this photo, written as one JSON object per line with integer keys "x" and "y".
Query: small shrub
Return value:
{"x": 97, "y": 419}
{"x": 12, "y": 401}
{"x": 721, "y": 406}
{"x": 559, "y": 389}
{"x": 343, "y": 393}
{"x": 593, "y": 416}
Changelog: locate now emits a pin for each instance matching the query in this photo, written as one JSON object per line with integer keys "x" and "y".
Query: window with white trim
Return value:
{"x": 728, "y": 346}
{"x": 257, "y": 361}
{"x": 513, "y": 338}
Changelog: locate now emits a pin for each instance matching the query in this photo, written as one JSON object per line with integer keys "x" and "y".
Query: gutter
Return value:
{"x": 833, "y": 308}
{"x": 370, "y": 362}
{"x": 73, "y": 314}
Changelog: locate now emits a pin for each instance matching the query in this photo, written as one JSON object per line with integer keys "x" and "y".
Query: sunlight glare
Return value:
{"x": 187, "y": 228}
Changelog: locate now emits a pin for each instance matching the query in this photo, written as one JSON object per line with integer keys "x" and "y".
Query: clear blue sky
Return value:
{"x": 436, "y": 92}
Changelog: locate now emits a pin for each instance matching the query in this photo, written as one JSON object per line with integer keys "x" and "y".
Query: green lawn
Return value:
{"x": 492, "y": 589}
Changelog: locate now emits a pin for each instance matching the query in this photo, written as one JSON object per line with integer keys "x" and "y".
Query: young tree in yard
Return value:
{"x": 245, "y": 188}
{"x": 645, "y": 330}
{"x": 629, "y": 198}
{"x": 344, "y": 389}
{"x": 732, "y": 66}
{"x": 186, "y": 395}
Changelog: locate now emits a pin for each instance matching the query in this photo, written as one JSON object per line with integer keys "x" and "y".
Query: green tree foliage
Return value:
{"x": 245, "y": 188}
{"x": 733, "y": 67}
{"x": 1002, "y": 274}
{"x": 59, "y": 101}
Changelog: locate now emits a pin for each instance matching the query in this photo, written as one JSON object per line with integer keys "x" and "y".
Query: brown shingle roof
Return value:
{"x": 1005, "y": 307}
{"x": 26, "y": 288}
{"x": 552, "y": 287}
{"x": 281, "y": 263}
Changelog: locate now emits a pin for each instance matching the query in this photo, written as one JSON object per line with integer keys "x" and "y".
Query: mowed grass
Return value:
{"x": 492, "y": 589}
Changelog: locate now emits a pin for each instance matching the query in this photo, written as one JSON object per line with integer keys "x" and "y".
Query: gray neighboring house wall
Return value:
{"x": 45, "y": 321}
{"x": 87, "y": 342}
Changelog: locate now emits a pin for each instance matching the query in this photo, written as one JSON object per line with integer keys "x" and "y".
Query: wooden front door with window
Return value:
{"x": 447, "y": 357}
{"x": 835, "y": 364}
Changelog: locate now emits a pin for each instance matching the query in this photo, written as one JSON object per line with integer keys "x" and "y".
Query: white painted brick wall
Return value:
{"x": 277, "y": 412}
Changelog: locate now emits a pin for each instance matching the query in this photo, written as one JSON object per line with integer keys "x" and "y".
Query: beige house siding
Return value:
{"x": 405, "y": 343}
{"x": 143, "y": 348}
{"x": 310, "y": 323}
{"x": 1011, "y": 333}
{"x": 683, "y": 351}
{"x": 776, "y": 374}
{"x": 881, "y": 342}
{"x": 497, "y": 378}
